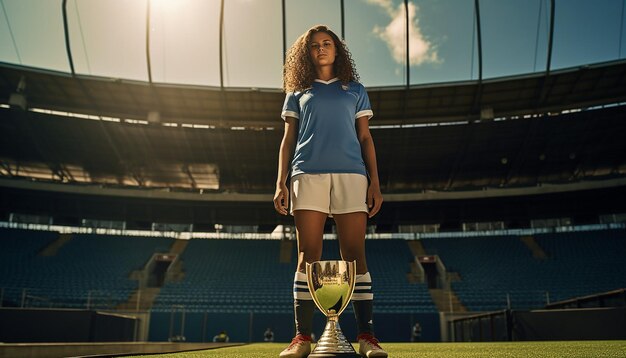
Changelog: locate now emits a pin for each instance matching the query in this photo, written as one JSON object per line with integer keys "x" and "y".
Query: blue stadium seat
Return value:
{"x": 494, "y": 269}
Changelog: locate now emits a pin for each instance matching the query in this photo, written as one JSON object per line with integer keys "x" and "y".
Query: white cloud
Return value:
{"x": 420, "y": 49}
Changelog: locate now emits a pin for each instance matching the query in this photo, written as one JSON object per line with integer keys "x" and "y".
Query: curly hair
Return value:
{"x": 299, "y": 71}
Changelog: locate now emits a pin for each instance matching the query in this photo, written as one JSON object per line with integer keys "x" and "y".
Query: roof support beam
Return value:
{"x": 407, "y": 86}
{"x": 7, "y": 168}
{"x": 284, "y": 21}
{"x": 148, "y": 62}
{"x": 544, "y": 90}
{"x": 68, "y": 48}
{"x": 479, "y": 88}
{"x": 343, "y": 20}
{"x": 551, "y": 37}
{"x": 221, "y": 32}
{"x": 408, "y": 63}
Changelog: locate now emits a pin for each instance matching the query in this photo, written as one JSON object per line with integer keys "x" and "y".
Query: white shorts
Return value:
{"x": 329, "y": 193}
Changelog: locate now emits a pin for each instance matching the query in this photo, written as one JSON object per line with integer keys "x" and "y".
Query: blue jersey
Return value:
{"x": 327, "y": 139}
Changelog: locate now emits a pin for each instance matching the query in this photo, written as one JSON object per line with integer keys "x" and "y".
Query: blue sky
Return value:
{"x": 108, "y": 37}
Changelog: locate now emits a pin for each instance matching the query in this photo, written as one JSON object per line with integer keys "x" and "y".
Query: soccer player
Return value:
{"x": 328, "y": 148}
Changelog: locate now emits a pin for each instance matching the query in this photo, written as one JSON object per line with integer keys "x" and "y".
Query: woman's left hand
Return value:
{"x": 374, "y": 199}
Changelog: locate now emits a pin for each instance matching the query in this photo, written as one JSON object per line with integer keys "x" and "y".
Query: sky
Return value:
{"x": 111, "y": 38}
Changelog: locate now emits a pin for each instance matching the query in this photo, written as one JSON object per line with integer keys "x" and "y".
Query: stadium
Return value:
{"x": 138, "y": 158}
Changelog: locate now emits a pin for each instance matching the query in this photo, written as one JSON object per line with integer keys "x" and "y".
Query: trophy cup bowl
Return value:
{"x": 331, "y": 284}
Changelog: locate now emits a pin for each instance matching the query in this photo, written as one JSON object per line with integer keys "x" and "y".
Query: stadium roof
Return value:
{"x": 575, "y": 88}
{"x": 571, "y": 136}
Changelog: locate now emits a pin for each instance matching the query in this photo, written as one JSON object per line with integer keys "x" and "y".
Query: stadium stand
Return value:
{"x": 220, "y": 275}
{"x": 500, "y": 271}
{"x": 230, "y": 276}
{"x": 583, "y": 263}
{"x": 89, "y": 271}
{"x": 233, "y": 280}
{"x": 247, "y": 276}
{"x": 240, "y": 276}
{"x": 19, "y": 250}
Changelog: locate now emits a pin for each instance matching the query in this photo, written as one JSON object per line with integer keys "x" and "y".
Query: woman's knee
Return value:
{"x": 352, "y": 250}
{"x": 358, "y": 255}
{"x": 308, "y": 256}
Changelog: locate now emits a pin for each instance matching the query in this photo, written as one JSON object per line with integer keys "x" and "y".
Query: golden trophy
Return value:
{"x": 331, "y": 284}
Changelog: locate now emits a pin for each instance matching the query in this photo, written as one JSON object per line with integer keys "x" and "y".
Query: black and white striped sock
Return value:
{"x": 303, "y": 305}
{"x": 362, "y": 302}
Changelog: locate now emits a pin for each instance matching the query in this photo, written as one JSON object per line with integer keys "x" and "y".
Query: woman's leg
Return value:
{"x": 351, "y": 230}
{"x": 309, "y": 231}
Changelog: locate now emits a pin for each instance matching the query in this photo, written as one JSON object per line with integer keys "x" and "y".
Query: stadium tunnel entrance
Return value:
{"x": 434, "y": 272}
{"x": 158, "y": 270}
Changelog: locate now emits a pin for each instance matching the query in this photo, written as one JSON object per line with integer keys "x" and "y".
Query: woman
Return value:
{"x": 329, "y": 150}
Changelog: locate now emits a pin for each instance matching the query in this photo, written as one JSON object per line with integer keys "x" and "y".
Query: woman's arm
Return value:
{"x": 368, "y": 151}
{"x": 281, "y": 196}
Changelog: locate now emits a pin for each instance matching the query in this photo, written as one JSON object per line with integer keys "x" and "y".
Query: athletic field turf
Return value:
{"x": 574, "y": 349}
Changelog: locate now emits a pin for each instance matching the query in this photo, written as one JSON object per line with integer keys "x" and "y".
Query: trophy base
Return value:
{"x": 328, "y": 354}
{"x": 333, "y": 343}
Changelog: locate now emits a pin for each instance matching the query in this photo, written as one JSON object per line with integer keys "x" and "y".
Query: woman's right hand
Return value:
{"x": 281, "y": 199}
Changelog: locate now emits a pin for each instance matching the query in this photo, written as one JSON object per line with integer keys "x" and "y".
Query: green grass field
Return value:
{"x": 573, "y": 349}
